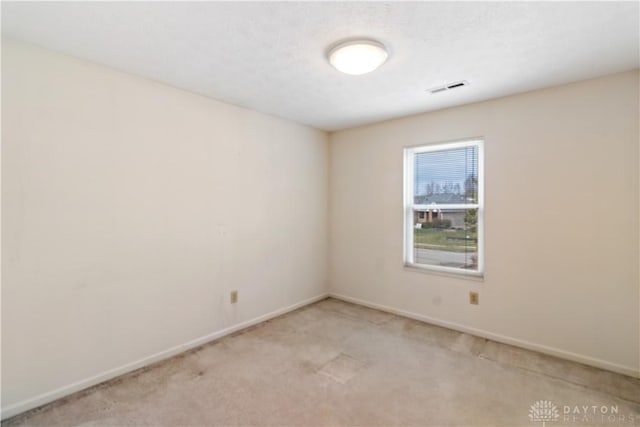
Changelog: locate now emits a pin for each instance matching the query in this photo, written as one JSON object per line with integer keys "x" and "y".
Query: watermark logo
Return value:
{"x": 543, "y": 411}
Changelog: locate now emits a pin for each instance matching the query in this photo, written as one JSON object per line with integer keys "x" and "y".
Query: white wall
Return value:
{"x": 562, "y": 215}
{"x": 131, "y": 209}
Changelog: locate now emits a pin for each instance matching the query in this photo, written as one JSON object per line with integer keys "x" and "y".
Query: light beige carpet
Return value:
{"x": 338, "y": 364}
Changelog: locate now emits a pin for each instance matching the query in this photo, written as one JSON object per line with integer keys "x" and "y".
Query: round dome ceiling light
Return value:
{"x": 357, "y": 57}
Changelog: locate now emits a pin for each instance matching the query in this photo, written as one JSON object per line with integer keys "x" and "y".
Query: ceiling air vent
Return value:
{"x": 450, "y": 86}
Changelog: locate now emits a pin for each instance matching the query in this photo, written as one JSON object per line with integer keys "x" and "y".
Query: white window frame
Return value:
{"x": 410, "y": 207}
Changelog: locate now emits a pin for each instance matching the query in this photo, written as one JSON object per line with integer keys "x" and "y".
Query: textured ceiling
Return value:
{"x": 271, "y": 56}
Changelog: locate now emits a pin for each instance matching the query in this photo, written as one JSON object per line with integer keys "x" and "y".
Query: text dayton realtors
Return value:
{"x": 593, "y": 413}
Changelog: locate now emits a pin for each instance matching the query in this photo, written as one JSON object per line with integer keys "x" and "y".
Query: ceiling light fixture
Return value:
{"x": 357, "y": 57}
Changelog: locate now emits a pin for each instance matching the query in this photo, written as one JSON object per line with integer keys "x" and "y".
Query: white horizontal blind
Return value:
{"x": 443, "y": 206}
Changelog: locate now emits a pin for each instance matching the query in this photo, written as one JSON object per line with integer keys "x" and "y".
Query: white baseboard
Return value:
{"x": 58, "y": 393}
{"x": 574, "y": 357}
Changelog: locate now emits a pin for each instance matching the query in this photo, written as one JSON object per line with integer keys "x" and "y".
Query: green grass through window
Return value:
{"x": 445, "y": 240}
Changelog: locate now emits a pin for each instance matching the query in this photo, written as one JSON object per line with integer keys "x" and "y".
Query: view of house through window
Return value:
{"x": 443, "y": 206}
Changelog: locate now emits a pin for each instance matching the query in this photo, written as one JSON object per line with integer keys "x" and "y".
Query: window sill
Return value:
{"x": 446, "y": 272}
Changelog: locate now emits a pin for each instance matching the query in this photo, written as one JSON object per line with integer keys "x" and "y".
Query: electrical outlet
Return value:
{"x": 234, "y": 297}
{"x": 473, "y": 298}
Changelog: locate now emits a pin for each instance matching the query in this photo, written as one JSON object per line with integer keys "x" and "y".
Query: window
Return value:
{"x": 444, "y": 207}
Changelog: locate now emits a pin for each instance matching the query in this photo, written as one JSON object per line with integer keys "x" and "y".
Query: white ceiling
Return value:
{"x": 271, "y": 56}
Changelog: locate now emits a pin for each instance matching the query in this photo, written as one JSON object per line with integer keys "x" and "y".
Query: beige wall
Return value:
{"x": 130, "y": 210}
{"x": 561, "y": 220}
